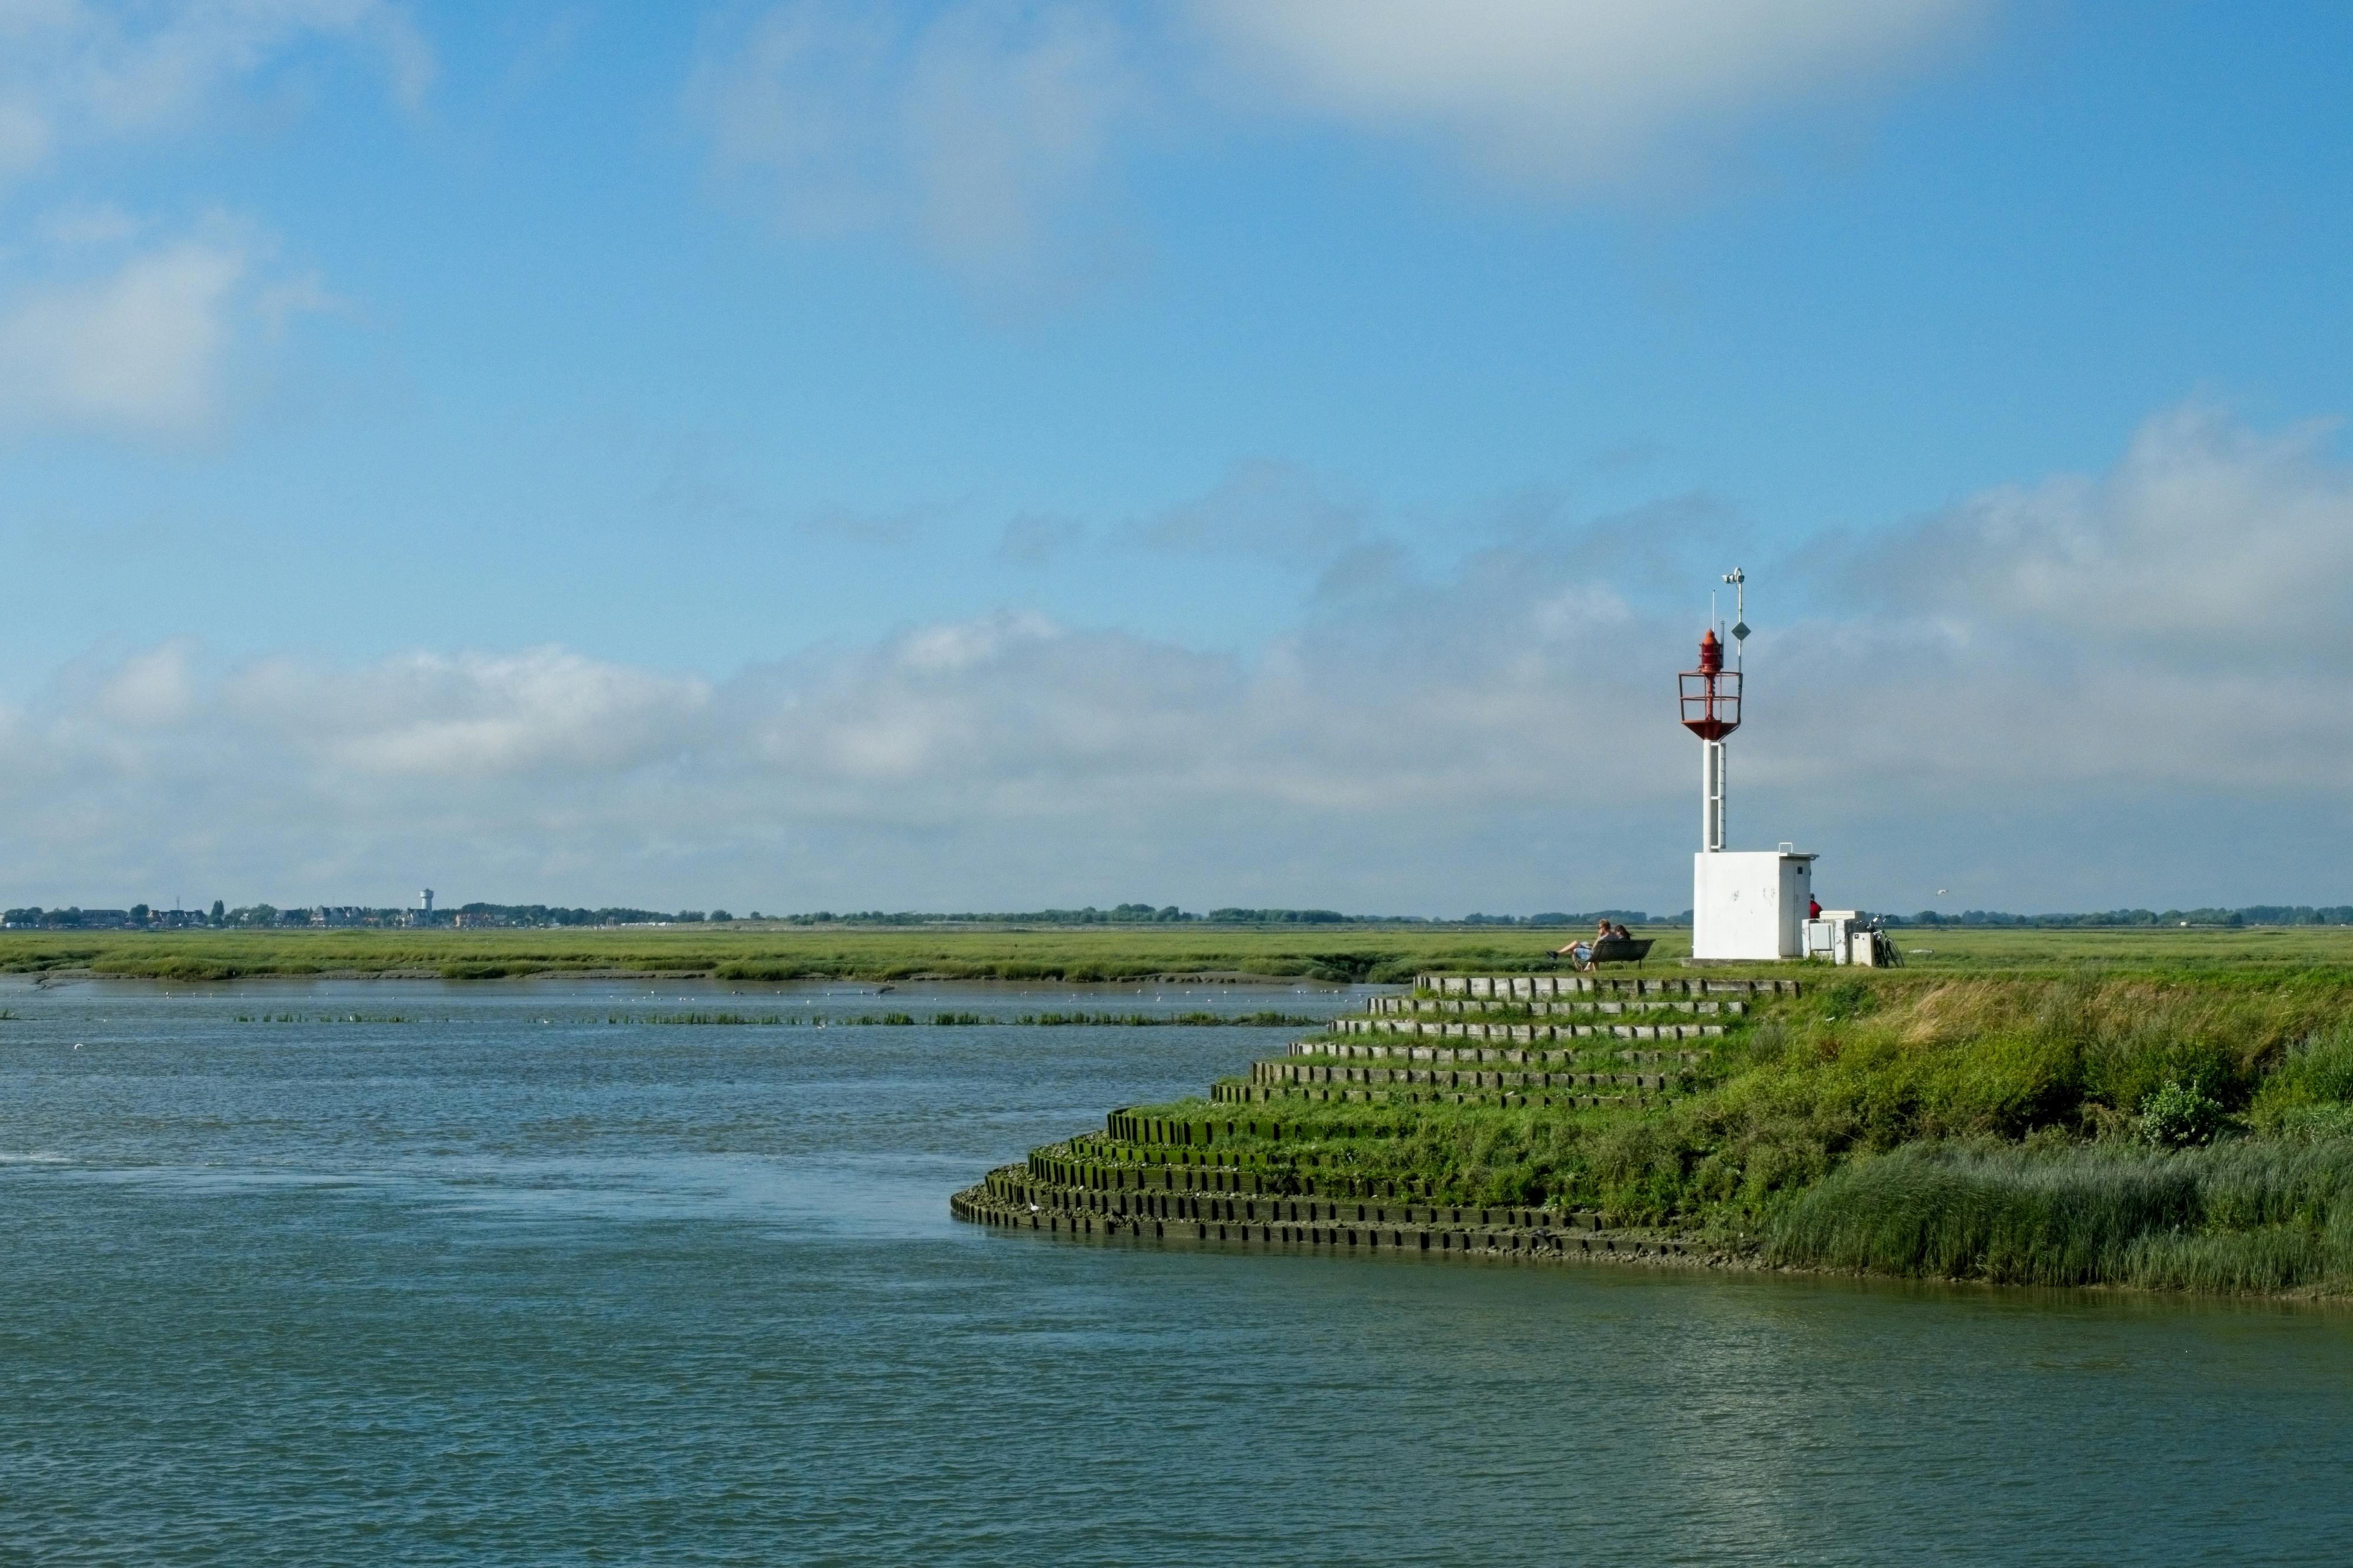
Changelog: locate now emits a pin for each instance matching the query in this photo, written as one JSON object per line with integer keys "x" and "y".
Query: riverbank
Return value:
{"x": 2188, "y": 1132}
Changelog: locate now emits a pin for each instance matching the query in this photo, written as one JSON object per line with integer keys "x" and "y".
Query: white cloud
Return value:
{"x": 982, "y": 132}
{"x": 971, "y": 129}
{"x": 73, "y": 72}
{"x": 468, "y": 717}
{"x": 154, "y": 690}
{"x": 1502, "y": 735}
{"x": 952, "y": 649}
{"x": 138, "y": 350}
{"x": 101, "y": 338}
{"x": 2210, "y": 544}
{"x": 1566, "y": 91}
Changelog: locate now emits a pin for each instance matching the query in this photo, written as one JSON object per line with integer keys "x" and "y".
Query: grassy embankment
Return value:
{"x": 2118, "y": 1124}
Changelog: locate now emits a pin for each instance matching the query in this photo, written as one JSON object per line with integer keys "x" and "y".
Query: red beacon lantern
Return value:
{"x": 1711, "y": 709}
{"x": 1711, "y": 694}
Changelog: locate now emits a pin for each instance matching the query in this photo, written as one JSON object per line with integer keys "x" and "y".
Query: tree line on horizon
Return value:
{"x": 249, "y": 916}
{"x": 2251, "y": 915}
{"x": 489, "y": 915}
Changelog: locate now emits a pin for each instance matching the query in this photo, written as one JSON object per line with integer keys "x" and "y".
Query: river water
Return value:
{"x": 410, "y": 1272}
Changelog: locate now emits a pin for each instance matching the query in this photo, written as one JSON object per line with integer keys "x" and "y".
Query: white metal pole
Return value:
{"x": 1721, "y": 762}
{"x": 1711, "y": 801}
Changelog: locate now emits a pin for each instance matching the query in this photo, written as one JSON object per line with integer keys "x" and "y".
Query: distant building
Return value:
{"x": 425, "y": 901}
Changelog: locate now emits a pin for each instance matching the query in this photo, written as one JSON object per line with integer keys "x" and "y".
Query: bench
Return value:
{"x": 1622, "y": 950}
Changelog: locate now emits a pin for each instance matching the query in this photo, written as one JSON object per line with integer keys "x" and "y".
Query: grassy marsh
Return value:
{"x": 734, "y": 952}
{"x": 740, "y": 951}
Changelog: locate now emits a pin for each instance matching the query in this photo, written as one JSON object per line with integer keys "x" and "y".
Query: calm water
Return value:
{"x": 507, "y": 1283}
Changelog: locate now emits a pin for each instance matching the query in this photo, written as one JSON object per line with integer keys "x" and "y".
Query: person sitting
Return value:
{"x": 1580, "y": 953}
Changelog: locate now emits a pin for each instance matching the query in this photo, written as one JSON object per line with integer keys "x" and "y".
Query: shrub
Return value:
{"x": 2180, "y": 1116}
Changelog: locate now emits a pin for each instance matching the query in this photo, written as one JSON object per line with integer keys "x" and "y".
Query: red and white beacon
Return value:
{"x": 1711, "y": 701}
{"x": 1745, "y": 904}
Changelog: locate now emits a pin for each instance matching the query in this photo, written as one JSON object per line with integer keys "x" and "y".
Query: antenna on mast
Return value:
{"x": 1739, "y": 581}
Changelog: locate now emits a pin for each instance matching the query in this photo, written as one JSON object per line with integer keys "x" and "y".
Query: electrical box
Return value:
{"x": 1751, "y": 904}
{"x": 1836, "y": 935}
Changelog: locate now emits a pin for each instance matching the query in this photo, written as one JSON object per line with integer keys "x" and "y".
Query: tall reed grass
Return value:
{"x": 2246, "y": 1215}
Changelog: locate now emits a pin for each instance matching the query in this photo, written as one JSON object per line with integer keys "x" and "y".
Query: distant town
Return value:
{"x": 143, "y": 917}
{"x": 426, "y": 914}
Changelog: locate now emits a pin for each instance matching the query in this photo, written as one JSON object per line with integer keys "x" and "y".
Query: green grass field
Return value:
{"x": 1383, "y": 954}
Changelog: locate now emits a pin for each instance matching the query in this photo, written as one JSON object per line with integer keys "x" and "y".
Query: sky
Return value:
{"x": 991, "y": 455}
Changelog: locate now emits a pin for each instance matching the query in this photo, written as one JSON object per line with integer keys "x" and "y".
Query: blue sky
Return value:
{"x": 991, "y": 455}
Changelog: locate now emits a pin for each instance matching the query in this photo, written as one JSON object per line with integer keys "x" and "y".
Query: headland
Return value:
{"x": 2176, "y": 1129}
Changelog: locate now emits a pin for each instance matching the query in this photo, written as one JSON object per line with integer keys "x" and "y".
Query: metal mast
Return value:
{"x": 1715, "y": 825}
{"x": 1711, "y": 709}
{"x": 1711, "y": 797}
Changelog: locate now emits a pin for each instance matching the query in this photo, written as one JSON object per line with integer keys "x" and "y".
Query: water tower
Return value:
{"x": 1745, "y": 904}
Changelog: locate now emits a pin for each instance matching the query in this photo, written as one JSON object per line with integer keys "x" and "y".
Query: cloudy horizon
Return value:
{"x": 947, "y": 457}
